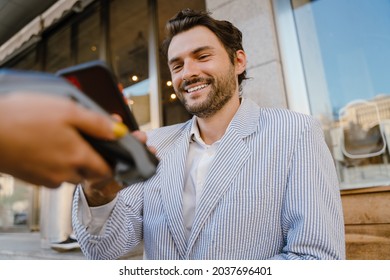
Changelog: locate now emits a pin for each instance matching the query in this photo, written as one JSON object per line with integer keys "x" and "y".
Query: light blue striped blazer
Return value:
{"x": 271, "y": 193}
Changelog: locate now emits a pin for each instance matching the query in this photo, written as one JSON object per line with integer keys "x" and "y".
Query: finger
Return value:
{"x": 153, "y": 150}
{"x": 92, "y": 123}
{"x": 117, "y": 117}
{"x": 91, "y": 164}
{"x": 96, "y": 167}
{"x": 140, "y": 135}
{"x": 75, "y": 178}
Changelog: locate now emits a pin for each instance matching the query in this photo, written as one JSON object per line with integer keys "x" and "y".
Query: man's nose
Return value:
{"x": 190, "y": 70}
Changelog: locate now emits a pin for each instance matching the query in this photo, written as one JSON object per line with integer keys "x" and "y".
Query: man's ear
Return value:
{"x": 240, "y": 61}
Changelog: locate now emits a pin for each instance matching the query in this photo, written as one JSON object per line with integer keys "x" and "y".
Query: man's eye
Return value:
{"x": 176, "y": 67}
{"x": 203, "y": 56}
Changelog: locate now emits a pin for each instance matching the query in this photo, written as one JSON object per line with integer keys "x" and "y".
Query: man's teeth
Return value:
{"x": 196, "y": 88}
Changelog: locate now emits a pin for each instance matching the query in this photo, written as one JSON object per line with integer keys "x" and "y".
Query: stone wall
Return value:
{"x": 255, "y": 18}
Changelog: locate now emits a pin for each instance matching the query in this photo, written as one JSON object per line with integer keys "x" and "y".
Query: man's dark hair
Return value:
{"x": 229, "y": 35}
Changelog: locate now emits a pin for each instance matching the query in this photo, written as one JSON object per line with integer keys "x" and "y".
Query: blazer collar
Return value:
{"x": 244, "y": 122}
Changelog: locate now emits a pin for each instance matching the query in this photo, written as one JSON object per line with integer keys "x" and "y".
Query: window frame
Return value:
{"x": 291, "y": 59}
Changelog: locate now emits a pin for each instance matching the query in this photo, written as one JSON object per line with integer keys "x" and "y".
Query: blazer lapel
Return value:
{"x": 218, "y": 181}
{"x": 231, "y": 156}
{"x": 172, "y": 179}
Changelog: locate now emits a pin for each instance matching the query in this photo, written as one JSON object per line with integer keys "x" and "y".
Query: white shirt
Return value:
{"x": 199, "y": 159}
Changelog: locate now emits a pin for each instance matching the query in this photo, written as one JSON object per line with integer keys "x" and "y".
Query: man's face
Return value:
{"x": 203, "y": 76}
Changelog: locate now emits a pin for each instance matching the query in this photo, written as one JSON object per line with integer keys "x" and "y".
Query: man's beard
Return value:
{"x": 222, "y": 90}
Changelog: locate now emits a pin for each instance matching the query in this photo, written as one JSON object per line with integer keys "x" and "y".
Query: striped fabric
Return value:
{"x": 271, "y": 193}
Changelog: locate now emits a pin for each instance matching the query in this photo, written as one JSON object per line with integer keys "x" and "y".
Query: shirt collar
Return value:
{"x": 247, "y": 113}
{"x": 195, "y": 134}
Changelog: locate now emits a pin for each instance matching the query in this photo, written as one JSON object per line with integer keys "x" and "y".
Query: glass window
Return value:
{"x": 58, "y": 50}
{"x": 86, "y": 38}
{"x": 29, "y": 61}
{"x": 75, "y": 41}
{"x": 129, "y": 53}
{"x": 346, "y": 59}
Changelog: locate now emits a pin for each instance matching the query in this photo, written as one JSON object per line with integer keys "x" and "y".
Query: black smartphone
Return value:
{"x": 96, "y": 80}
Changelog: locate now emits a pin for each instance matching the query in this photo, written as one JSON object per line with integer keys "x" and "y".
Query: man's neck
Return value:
{"x": 213, "y": 128}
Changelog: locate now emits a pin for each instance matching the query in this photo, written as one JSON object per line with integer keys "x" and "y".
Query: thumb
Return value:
{"x": 97, "y": 125}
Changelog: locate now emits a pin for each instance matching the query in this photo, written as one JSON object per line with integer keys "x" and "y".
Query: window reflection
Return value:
{"x": 345, "y": 54}
{"x": 361, "y": 141}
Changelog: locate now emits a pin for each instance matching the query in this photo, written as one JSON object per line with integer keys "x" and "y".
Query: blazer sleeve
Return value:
{"x": 312, "y": 215}
{"x": 123, "y": 229}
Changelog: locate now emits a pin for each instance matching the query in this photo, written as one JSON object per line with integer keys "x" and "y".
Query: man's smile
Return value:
{"x": 191, "y": 89}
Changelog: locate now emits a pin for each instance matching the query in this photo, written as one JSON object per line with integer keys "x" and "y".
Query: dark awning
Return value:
{"x": 32, "y": 31}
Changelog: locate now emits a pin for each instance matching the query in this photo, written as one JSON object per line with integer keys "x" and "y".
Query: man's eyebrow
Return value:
{"x": 195, "y": 51}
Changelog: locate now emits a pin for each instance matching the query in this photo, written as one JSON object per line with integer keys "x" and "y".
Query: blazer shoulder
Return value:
{"x": 287, "y": 116}
{"x": 165, "y": 135}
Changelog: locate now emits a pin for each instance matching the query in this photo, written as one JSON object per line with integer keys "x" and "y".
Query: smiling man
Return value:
{"x": 235, "y": 182}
